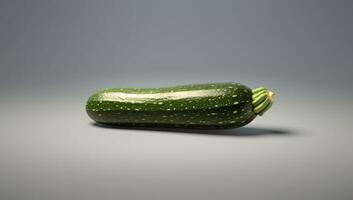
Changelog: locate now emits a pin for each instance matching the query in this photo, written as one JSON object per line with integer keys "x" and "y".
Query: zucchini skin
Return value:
{"x": 202, "y": 106}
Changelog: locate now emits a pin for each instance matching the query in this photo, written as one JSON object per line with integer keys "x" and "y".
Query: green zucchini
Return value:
{"x": 204, "y": 106}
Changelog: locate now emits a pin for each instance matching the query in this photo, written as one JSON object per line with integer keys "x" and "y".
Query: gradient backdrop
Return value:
{"x": 54, "y": 54}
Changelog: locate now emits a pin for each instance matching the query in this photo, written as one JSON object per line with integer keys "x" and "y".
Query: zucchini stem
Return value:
{"x": 262, "y": 100}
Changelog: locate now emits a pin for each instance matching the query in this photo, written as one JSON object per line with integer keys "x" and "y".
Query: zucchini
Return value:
{"x": 204, "y": 106}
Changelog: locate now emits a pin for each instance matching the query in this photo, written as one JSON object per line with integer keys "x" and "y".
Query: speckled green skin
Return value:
{"x": 204, "y": 106}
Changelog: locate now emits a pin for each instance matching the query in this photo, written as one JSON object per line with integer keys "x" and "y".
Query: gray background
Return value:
{"x": 54, "y": 54}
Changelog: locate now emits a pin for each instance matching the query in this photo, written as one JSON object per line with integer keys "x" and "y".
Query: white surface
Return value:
{"x": 300, "y": 149}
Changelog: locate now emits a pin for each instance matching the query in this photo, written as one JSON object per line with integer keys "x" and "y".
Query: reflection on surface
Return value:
{"x": 243, "y": 131}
